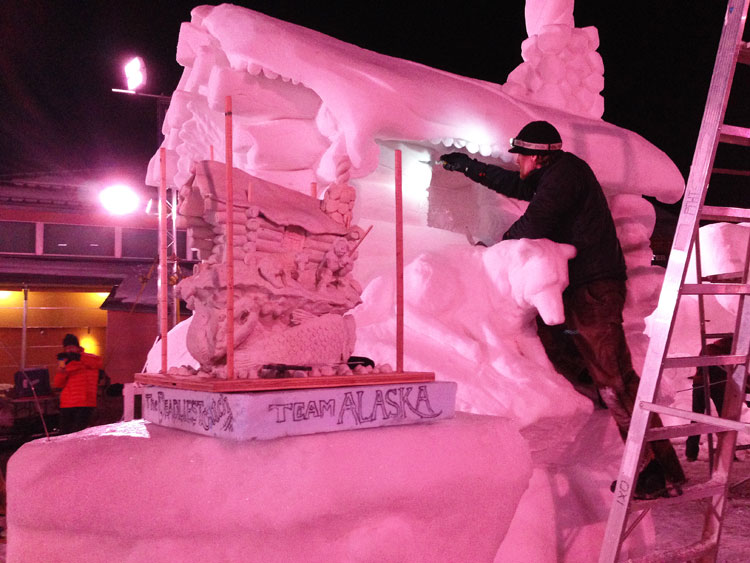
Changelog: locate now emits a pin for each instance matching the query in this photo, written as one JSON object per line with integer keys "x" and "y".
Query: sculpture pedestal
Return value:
{"x": 273, "y": 414}
{"x": 137, "y": 491}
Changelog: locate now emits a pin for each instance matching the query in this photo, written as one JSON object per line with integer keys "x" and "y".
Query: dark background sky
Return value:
{"x": 59, "y": 59}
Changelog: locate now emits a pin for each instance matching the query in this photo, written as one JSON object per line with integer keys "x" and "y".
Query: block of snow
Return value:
{"x": 141, "y": 492}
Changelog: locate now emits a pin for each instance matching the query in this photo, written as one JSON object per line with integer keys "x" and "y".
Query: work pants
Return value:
{"x": 73, "y": 419}
{"x": 593, "y": 319}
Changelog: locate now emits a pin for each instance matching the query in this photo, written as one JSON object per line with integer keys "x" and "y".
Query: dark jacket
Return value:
{"x": 566, "y": 205}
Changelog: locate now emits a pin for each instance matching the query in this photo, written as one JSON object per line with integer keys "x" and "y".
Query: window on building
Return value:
{"x": 140, "y": 243}
{"x": 79, "y": 240}
{"x": 17, "y": 237}
{"x": 144, "y": 243}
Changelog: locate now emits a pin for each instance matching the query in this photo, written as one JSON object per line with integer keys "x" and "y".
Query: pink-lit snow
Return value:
{"x": 469, "y": 318}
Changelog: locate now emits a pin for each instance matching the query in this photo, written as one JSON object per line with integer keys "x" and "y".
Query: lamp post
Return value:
{"x": 135, "y": 76}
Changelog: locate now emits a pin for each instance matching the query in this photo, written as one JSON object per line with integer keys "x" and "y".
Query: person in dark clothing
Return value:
{"x": 567, "y": 205}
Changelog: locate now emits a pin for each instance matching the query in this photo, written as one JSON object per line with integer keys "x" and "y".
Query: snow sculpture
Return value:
{"x": 561, "y": 67}
{"x": 293, "y": 259}
{"x": 304, "y": 103}
{"x": 309, "y": 108}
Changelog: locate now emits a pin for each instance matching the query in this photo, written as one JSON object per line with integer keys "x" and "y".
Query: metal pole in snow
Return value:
{"x": 399, "y": 270}
{"x": 229, "y": 239}
{"x": 25, "y": 326}
{"x": 163, "y": 287}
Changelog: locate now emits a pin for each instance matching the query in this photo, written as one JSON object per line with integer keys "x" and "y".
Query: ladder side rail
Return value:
{"x": 735, "y": 389}
{"x": 685, "y": 233}
{"x": 704, "y": 342}
{"x": 727, "y": 442}
{"x": 734, "y": 396}
{"x": 662, "y": 326}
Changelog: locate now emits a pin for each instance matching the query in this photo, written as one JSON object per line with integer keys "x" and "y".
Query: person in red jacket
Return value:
{"x": 78, "y": 377}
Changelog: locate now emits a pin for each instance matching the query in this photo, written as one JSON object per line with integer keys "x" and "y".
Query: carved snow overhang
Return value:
{"x": 303, "y": 101}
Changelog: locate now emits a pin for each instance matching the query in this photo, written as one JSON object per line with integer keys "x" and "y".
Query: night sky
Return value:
{"x": 60, "y": 58}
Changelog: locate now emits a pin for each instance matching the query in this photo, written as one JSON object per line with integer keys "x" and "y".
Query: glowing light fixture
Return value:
{"x": 417, "y": 174}
{"x": 119, "y": 199}
{"x": 135, "y": 73}
{"x": 90, "y": 344}
{"x": 5, "y": 294}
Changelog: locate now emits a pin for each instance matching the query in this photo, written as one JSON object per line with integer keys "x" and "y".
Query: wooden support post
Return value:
{"x": 174, "y": 274}
{"x": 399, "y": 269}
{"x": 229, "y": 254}
{"x": 163, "y": 282}
{"x": 211, "y": 153}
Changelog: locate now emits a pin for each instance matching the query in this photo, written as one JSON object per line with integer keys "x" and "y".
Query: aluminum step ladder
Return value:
{"x": 626, "y": 512}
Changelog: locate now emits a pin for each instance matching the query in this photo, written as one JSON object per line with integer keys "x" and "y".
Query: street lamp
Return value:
{"x": 119, "y": 199}
{"x": 135, "y": 76}
{"x": 135, "y": 73}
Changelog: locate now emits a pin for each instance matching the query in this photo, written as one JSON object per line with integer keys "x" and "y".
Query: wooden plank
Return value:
{"x": 399, "y": 266}
{"x": 229, "y": 245}
{"x": 244, "y": 385}
{"x": 163, "y": 294}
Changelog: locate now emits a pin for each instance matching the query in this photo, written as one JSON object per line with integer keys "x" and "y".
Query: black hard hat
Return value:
{"x": 537, "y": 137}
{"x": 70, "y": 340}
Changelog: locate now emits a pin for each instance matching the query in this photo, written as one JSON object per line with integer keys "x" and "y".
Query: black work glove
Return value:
{"x": 456, "y": 161}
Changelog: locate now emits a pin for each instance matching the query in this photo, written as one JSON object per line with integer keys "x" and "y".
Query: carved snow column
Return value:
{"x": 561, "y": 67}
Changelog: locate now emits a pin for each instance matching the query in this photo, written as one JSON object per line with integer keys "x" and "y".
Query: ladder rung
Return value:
{"x": 701, "y": 361}
{"x": 716, "y": 289}
{"x": 692, "y": 552}
{"x": 744, "y": 54}
{"x": 682, "y": 430}
{"x": 734, "y": 135}
{"x": 729, "y": 277}
{"x": 697, "y": 417}
{"x": 727, "y": 214}
{"x": 708, "y": 489}
{"x": 730, "y": 172}
{"x": 718, "y": 335}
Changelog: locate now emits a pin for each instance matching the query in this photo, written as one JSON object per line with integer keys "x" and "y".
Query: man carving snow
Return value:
{"x": 567, "y": 205}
